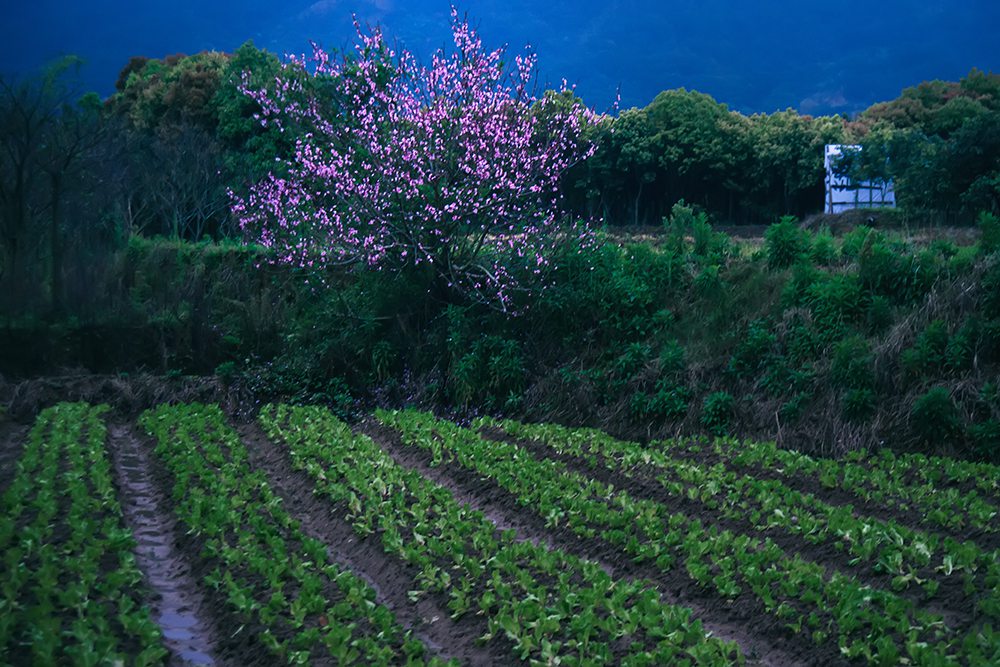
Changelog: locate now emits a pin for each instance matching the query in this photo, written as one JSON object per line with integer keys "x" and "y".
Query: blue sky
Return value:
{"x": 754, "y": 56}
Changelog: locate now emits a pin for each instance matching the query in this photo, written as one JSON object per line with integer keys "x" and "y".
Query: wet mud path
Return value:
{"x": 178, "y": 607}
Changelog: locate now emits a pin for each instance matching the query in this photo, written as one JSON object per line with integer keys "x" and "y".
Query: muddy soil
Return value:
{"x": 178, "y": 605}
{"x": 231, "y": 640}
{"x": 391, "y": 578}
{"x": 762, "y": 639}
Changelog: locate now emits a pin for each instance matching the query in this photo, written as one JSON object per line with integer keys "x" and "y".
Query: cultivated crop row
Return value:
{"x": 863, "y": 621}
{"x": 883, "y": 483}
{"x": 277, "y": 581}
{"x": 553, "y": 608}
{"x": 70, "y": 586}
{"x": 910, "y": 556}
{"x": 934, "y": 470}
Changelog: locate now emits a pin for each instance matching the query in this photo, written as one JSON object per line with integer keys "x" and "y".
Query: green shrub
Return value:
{"x": 465, "y": 378}
{"x": 492, "y": 372}
{"x": 802, "y": 341}
{"x": 295, "y": 380}
{"x": 673, "y": 359}
{"x": 704, "y": 240}
{"x": 989, "y": 340}
{"x": 688, "y": 221}
{"x": 991, "y": 290}
{"x": 796, "y": 290}
{"x": 682, "y": 217}
{"x": 717, "y": 412}
{"x": 944, "y": 248}
{"x": 781, "y": 379}
{"x": 226, "y": 371}
{"x": 457, "y": 326}
{"x": 878, "y": 314}
{"x": 989, "y": 227}
{"x": 934, "y": 418}
{"x": 854, "y": 240}
{"x": 632, "y": 360}
{"x": 669, "y": 402}
{"x": 961, "y": 347}
{"x": 707, "y": 283}
{"x": 963, "y": 260}
{"x": 985, "y": 438}
{"x": 990, "y": 394}
{"x": 926, "y": 357}
{"x": 755, "y": 350}
{"x": 858, "y": 404}
{"x": 383, "y": 358}
{"x": 883, "y": 271}
{"x": 793, "y": 408}
{"x": 505, "y": 367}
{"x": 823, "y": 251}
{"x": 851, "y": 364}
{"x": 836, "y": 301}
{"x": 784, "y": 243}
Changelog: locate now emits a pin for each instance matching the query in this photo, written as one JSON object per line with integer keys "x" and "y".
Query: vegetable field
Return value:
{"x": 185, "y": 537}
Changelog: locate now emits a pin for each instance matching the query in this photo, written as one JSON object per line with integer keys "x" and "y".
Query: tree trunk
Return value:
{"x": 635, "y": 210}
{"x": 55, "y": 246}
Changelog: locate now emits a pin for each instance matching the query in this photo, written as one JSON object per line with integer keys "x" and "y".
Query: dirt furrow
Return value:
{"x": 761, "y": 637}
{"x": 391, "y": 578}
{"x": 179, "y": 607}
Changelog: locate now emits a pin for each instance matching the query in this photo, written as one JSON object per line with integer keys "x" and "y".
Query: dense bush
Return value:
{"x": 935, "y": 419}
{"x": 985, "y": 438}
{"x": 754, "y": 351}
{"x": 650, "y": 337}
{"x": 837, "y": 301}
{"x": 989, "y": 226}
{"x": 878, "y": 315}
{"x": 717, "y": 412}
{"x": 927, "y": 356}
{"x": 823, "y": 251}
{"x": 784, "y": 243}
{"x": 851, "y": 364}
{"x": 492, "y": 373}
{"x": 668, "y": 402}
{"x": 858, "y": 404}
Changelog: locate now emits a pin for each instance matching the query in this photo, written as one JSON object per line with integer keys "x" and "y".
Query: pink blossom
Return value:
{"x": 455, "y": 164}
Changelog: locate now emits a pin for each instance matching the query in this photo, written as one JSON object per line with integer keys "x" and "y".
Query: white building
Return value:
{"x": 842, "y": 194}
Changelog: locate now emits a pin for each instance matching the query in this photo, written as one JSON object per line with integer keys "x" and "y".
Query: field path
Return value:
{"x": 761, "y": 639}
{"x": 179, "y": 608}
{"x": 390, "y": 577}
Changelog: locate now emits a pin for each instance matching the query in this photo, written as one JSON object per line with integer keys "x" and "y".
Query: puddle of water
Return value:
{"x": 184, "y": 633}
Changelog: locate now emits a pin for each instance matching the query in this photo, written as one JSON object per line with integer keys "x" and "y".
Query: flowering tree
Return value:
{"x": 454, "y": 167}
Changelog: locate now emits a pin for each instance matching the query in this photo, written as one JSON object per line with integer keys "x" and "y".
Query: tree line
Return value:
{"x": 162, "y": 155}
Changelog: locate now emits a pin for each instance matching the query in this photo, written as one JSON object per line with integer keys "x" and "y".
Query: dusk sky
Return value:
{"x": 753, "y": 56}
